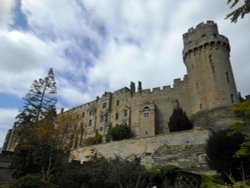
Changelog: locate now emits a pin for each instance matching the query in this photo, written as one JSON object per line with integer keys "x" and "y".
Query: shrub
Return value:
{"x": 168, "y": 175}
{"x": 220, "y": 150}
{"x": 120, "y": 132}
{"x": 179, "y": 121}
{"x": 97, "y": 139}
{"x": 30, "y": 181}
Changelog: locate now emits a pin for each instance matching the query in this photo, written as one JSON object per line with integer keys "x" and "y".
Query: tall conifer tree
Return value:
{"x": 39, "y": 100}
{"x": 35, "y": 150}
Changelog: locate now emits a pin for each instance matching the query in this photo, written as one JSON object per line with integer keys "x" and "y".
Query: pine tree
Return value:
{"x": 36, "y": 134}
{"x": 40, "y": 99}
{"x": 179, "y": 121}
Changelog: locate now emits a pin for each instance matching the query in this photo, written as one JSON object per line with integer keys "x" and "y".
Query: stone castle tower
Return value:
{"x": 206, "y": 55}
{"x": 208, "y": 86}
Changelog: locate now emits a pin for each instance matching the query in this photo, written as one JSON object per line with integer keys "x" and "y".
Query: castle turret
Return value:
{"x": 210, "y": 78}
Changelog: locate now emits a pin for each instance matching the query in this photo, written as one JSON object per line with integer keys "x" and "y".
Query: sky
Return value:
{"x": 95, "y": 46}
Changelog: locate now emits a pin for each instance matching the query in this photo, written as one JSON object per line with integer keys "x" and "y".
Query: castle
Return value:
{"x": 209, "y": 84}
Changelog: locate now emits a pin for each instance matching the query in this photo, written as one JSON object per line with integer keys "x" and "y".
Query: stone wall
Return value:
{"x": 184, "y": 149}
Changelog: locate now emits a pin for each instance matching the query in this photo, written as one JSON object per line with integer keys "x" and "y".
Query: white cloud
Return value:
{"x": 6, "y": 16}
{"x": 96, "y": 46}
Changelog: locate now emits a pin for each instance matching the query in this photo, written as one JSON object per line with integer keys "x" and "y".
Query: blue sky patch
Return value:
{"x": 10, "y": 101}
{"x": 20, "y": 19}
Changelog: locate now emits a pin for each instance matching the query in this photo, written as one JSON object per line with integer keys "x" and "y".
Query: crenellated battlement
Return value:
{"x": 209, "y": 84}
{"x": 203, "y": 36}
{"x": 208, "y": 44}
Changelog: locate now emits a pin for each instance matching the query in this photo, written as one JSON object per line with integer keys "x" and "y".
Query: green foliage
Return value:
{"x": 127, "y": 174}
{"x": 168, "y": 174}
{"x": 72, "y": 178}
{"x": 211, "y": 181}
{"x": 179, "y": 121}
{"x": 244, "y": 150}
{"x": 120, "y": 132}
{"x": 242, "y": 110}
{"x": 30, "y": 181}
{"x": 239, "y": 11}
{"x": 40, "y": 99}
{"x": 37, "y": 150}
{"x": 113, "y": 173}
{"x": 220, "y": 150}
{"x": 23, "y": 162}
{"x": 97, "y": 139}
{"x": 6, "y": 185}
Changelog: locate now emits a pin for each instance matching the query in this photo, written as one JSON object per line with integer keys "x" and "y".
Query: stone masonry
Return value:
{"x": 208, "y": 90}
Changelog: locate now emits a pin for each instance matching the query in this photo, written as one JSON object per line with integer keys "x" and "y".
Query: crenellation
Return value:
{"x": 156, "y": 89}
{"x": 145, "y": 91}
{"x": 147, "y": 111}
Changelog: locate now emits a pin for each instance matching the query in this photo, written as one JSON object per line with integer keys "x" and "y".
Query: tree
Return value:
{"x": 120, "y": 132}
{"x": 36, "y": 149}
{"x": 240, "y": 11}
{"x": 30, "y": 181}
{"x": 125, "y": 173}
{"x": 242, "y": 111}
{"x": 68, "y": 131}
{"x": 39, "y": 100}
{"x": 220, "y": 150}
{"x": 179, "y": 121}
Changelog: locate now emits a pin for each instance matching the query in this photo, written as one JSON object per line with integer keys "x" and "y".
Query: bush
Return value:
{"x": 30, "y": 181}
{"x": 168, "y": 175}
{"x": 120, "y": 132}
{"x": 179, "y": 121}
{"x": 97, "y": 139}
{"x": 220, "y": 150}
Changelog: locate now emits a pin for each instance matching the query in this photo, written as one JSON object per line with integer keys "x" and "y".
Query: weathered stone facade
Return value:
{"x": 184, "y": 149}
{"x": 209, "y": 85}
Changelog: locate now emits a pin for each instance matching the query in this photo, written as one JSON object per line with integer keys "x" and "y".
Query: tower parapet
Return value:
{"x": 203, "y": 36}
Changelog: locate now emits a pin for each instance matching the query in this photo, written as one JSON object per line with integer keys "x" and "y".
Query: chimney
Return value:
{"x": 132, "y": 88}
{"x": 139, "y": 86}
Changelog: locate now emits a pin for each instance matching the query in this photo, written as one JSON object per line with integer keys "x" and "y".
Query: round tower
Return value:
{"x": 206, "y": 55}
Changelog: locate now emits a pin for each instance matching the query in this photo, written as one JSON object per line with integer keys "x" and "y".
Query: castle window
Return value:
{"x": 104, "y": 118}
{"x": 212, "y": 67}
{"x": 101, "y": 128}
{"x": 125, "y": 113}
{"x": 104, "y": 105}
{"x": 101, "y": 118}
{"x": 117, "y": 116}
{"x": 83, "y": 114}
{"x": 232, "y": 98}
{"x": 90, "y": 122}
{"x": 210, "y": 57}
{"x": 200, "y": 106}
{"x": 146, "y": 109}
{"x": 77, "y": 116}
{"x": 117, "y": 103}
{"x": 227, "y": 76}
{"x": 146, "y": 114}
{"x": 92, "y": 112}
{"x": 146, "y": 132}
{"x": 203, "y": 35}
